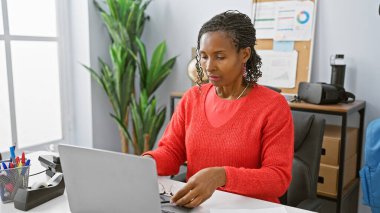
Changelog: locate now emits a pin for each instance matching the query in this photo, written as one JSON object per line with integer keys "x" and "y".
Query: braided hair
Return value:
{"x": 240, "y": 29}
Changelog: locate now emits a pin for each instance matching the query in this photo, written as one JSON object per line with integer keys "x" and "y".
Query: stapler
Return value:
{"x": 51, "y": 163}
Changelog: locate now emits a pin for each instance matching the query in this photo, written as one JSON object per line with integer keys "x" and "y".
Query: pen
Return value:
{"x": 17, "y": 160}
{"x": 4, "y": 165}
{"x": 25, "y": 167}
{"x": 12, "y": 152}
{"x": 27, "y": 162}
{"x": 23, "y": 158}
{"x": 11, "y": 165}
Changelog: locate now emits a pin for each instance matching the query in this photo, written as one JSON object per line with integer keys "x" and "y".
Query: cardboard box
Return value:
{"x": 328, "y": 177}
{"x": 332, "y": 141}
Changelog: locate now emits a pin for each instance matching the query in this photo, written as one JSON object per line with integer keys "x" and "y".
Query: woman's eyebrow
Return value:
{"x": 219, "y": 51}
{"x": 214, "y": 52}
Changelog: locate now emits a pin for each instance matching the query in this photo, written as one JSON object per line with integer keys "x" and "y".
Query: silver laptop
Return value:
{"x": 104, "y": 181}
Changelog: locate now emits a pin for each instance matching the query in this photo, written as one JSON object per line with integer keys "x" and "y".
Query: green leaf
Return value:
{"x": 99, "y": 7}
{"x": 143, "y": 63}
{"x": 158, "y": 57}
{"x": 137, "y": 123}
{"x": 122, "y": 126}
{"x": 161, "y": 75}
{"x": 157, "y": 126}
{"x": 112, "y": 6}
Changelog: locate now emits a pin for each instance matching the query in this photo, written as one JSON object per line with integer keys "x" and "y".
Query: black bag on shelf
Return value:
{"x": 322, "y": 93}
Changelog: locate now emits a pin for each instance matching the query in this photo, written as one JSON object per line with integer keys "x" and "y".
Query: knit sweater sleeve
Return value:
{"x": 273, "y": 177}
{"x": 171, "y": 152}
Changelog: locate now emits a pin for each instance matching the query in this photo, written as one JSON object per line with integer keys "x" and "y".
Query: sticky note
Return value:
{"x": 283, "y": 46}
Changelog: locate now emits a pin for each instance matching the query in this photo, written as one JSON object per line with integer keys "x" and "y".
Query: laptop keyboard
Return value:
{"x": 171, "y": 208}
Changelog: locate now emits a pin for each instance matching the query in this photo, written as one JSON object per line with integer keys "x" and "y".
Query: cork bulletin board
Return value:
{"x": 303, "y": 48}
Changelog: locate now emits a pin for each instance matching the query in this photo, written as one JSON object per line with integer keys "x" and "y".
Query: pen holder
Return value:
{"x": 11, "y": 180}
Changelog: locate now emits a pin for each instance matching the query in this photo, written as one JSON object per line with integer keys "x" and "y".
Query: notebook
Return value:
{"x": 104, "y": 181}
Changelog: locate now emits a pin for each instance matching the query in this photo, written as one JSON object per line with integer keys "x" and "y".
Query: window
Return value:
{"x": 30, "y": 73}
{"x": 5, "y": 128}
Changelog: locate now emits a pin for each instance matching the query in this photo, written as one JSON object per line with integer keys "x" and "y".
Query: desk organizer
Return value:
{"x": 12, "y": 180}
{"x": 26, "y": 198}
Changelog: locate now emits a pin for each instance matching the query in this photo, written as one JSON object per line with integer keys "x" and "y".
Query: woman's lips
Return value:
{"x": 214, "y": 78}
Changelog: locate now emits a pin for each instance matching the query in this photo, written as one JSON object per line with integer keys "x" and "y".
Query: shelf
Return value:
{"x": 335, "y": 108}
{"x": 346, "y": 191}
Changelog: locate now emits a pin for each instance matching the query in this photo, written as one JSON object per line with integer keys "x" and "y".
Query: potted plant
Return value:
{"x": 125, "y": 21}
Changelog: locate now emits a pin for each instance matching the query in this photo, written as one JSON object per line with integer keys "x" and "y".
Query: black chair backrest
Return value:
{"x": 308, "y": 137}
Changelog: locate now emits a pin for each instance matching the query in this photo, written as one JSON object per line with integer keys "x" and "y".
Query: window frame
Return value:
{"x": 64, "y": 67}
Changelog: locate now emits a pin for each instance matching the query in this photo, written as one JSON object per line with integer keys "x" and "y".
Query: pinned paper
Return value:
{"x": 283, "y": 46}
{"x": 279, "y": 68}
{"x": 283, "y": 20}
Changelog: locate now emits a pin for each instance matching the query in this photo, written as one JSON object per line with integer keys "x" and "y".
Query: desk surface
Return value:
{"x": 220, "y": 200}
{"x": 338, "y": 108}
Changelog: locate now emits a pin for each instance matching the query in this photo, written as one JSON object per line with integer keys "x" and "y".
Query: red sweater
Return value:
{"x": 255, "y": 147}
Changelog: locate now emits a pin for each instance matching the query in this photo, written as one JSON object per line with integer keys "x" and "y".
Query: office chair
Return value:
{"x": 308, "y": 137}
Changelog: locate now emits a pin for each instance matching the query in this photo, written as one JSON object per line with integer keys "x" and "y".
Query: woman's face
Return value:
{"x": 220, "y": 59}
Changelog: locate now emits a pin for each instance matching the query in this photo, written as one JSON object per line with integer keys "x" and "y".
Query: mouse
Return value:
{"x": 39, "y": 185}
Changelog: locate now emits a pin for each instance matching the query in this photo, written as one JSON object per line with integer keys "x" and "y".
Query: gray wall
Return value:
{"x": 178, "y": 22}
{"x": 93, "y": 126}
{"x": 105, "y": 132}
{"x": 351, "y": 27}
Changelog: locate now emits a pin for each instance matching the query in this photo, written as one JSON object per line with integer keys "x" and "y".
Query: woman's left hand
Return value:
{"x": 200, "y": 187}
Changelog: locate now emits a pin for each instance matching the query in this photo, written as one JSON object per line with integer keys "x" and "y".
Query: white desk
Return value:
{"x": 220, "y": 200}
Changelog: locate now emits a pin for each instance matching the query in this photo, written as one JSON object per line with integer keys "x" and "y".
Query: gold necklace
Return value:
{"x": 242, "y": 92}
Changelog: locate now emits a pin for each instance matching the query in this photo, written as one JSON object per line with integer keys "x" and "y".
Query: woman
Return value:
{"x": 235, "y": 135}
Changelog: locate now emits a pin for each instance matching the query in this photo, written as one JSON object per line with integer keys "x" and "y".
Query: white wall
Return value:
{"x": 81, "y": 84}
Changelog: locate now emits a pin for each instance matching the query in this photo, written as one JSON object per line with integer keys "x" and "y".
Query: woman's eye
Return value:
{"x": 220, "y": 57}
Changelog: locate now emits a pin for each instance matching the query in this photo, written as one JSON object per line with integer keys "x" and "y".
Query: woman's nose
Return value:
{"x": 209, "y": 65}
